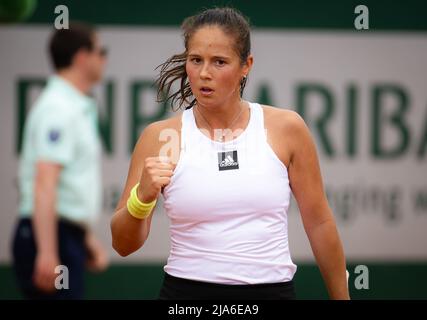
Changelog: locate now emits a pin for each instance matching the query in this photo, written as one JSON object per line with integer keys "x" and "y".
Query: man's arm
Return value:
{"x": 45, "y": 225}
{"x": 97, "y": 260}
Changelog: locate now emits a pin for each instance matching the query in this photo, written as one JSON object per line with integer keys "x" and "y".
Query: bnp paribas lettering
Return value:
{"x": 388, "y": 120}
{"x": 323, "y": 108}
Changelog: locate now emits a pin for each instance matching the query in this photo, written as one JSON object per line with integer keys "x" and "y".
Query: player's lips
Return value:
{"x": 206, "y": 91}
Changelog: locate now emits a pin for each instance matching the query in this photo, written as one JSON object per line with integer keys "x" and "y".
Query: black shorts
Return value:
{"x": 72, "y": 253}
{"x": 174, "y": 288}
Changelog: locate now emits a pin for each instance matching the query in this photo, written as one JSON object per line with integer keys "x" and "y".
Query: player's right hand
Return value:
{"x": 156, "y": 174}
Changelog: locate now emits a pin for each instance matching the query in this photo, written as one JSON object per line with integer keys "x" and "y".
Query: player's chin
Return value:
{"x": 206, "y": 101}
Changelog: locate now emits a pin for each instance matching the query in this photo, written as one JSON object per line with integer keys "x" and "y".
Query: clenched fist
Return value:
{"x": 156, "y": 174}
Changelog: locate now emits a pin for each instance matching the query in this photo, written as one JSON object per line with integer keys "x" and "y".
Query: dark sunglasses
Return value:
{"x": 102, "y": 51}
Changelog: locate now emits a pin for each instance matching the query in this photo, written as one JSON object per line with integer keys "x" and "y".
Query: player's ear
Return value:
{"x": 248, "y": 65}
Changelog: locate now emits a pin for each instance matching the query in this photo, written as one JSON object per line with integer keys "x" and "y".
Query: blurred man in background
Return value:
{"x": 59, "y": 176}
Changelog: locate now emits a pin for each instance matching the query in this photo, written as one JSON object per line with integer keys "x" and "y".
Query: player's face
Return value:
{"x": 214, "y": 68}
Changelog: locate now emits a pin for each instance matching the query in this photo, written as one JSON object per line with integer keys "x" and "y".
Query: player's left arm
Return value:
{"x": 318, "y": 220}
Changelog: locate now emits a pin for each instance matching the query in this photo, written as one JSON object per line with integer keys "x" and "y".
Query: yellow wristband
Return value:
{"x": 136, "y": 207}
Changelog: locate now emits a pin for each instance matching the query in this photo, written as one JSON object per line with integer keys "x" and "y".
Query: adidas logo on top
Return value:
{"x": 228, "y": 160}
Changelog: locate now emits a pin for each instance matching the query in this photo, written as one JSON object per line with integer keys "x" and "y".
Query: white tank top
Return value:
{"x": 227, "y": 203}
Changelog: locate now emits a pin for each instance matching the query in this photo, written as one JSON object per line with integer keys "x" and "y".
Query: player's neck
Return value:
{"x": 220, "y": 116}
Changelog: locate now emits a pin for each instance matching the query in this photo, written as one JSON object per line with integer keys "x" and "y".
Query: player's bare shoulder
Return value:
{"x": 285, "y": 127}
{"x": 282, "y": 119}
{"x": 160, "y": 133}
{"x": 173, "y": 123}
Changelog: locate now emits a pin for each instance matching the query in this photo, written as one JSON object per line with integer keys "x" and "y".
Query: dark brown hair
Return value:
{"x": 65, "y": 43}
{"x": 232, "y": 22}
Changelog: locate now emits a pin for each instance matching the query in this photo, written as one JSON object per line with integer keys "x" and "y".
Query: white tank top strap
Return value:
{"x": 258, "y": 120}
{"x": 186, "y": 127}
